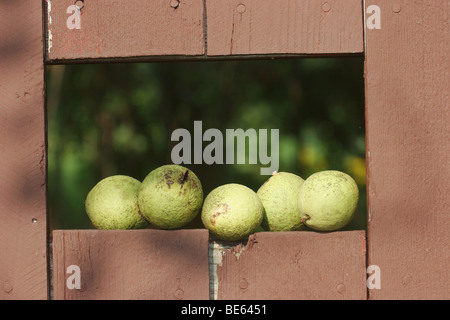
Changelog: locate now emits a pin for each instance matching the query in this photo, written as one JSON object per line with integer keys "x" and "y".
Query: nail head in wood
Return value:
{"x": 243, "y": 284}
{"x": 340, "y": 288}
{"x": 241, "y": 8}
{"x": 79, "y": 4}
{"x": 326, "y": 7}
{"x": 179, "y": 294}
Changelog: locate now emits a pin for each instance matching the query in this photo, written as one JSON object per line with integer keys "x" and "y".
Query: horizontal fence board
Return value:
{"x": 244, "y": 27}
{"x": 131, "y": 264}
{"x": 135, "y": 30}
{"x": 118, "y": 29}
{"x": 186, "y": 264}
{"x": 290, "y": 266}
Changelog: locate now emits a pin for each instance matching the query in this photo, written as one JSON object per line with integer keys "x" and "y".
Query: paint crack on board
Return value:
{"x": 362, "y": 242}
{"x": 42, "y": 159}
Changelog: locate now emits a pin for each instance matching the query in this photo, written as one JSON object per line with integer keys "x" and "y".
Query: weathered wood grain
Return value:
{"x": 253, "y": 27}
{"x": 408, "y": 149}
{"x": 23, "y": 231}
{"x": 291, "y": 266}
{"x": 132, "y": 264}
{"x": 136, "y": 30}
{"x": 131, "y": 28}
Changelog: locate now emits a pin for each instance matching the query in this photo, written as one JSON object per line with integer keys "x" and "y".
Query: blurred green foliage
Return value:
{"x": 107, "y": 119}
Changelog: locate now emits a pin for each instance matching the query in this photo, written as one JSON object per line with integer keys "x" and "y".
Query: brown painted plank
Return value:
{"x": 252, "y": 27}
{"x": 293, "y": 266}
{"x": 132, "y": 264}
{"x": 23, "y": 236}
{"x": 131, "y": 28}
{"x": 408, "y": 149}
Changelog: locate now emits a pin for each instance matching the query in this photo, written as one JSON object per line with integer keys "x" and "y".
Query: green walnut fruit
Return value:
{"x": 232, "y": 212}
{"x": 112, "y": 204}
{"x": 279, "y": 195}
{"x": 170, "y": 197}
{"x": 328, "y": 200}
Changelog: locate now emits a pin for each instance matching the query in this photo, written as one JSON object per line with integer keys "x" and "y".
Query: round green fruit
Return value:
{"x": 232, "y": 212}
{"x": 279, "y": 196}
{"x": 112, "y": 204}
{"x": 328, "y": 200}
{"x": 170, "y": 197}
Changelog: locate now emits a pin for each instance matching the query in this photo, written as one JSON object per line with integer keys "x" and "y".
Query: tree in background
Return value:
{"x": 106, "y": 119}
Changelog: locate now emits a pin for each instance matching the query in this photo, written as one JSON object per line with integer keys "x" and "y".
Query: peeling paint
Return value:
{"x": 217, "y": 250}
{"x": 50, "y": 38}
{"x": 49, "y": 17}
{"x": 237, "y": 251}
{"x": 216, "y": 253}
{"x": 49, "y": 9}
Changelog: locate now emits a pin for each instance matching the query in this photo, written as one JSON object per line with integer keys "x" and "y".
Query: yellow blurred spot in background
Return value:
{"x": 311, "y": 157}
{"x": 356, "y": 167}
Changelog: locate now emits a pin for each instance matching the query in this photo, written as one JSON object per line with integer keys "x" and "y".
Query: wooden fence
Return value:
{"x": 406, "y": 50}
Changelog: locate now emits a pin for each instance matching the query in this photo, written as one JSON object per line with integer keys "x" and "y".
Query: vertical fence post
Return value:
{"x": 407, "y": 115}
{"x": 23, "y": 169}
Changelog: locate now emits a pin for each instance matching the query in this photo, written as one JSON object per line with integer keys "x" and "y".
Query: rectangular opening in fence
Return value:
{"x": 240, "y": 125}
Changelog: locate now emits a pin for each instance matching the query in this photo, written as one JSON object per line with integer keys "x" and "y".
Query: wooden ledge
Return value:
{"x": 291, "y": 266}
{"x": 131, "y": 265}
{"x": 186, "y": 264}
